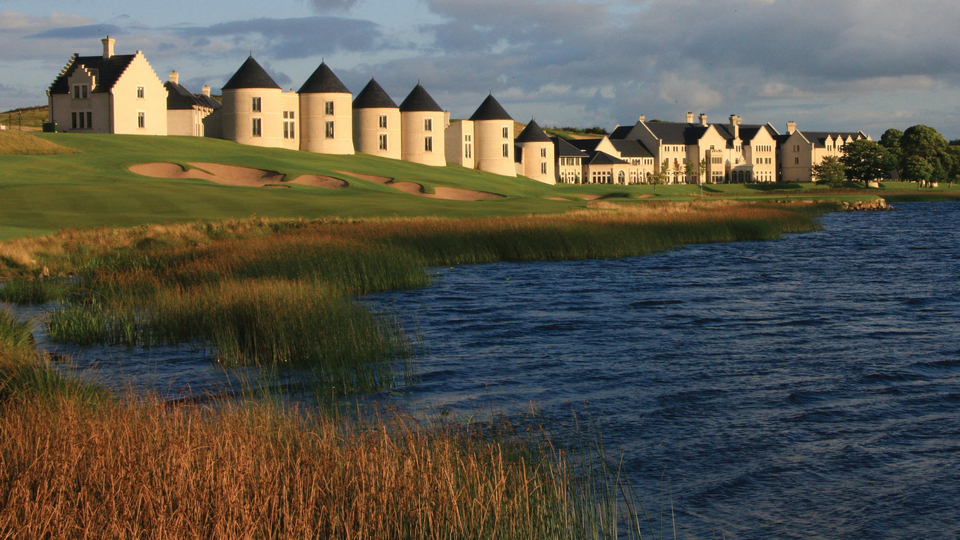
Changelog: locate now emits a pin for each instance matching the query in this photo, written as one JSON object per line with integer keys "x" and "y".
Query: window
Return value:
{"x": 467, "y": 138}
{"x": 141, "y": 120}
{"x": 76, "y": 91}
{"x": 428, "y": 124}
{"x": 796, "y": 148}
{"x": 543, "y": 152}
{"x": 622, "y": 177}
{"x": 140, "y": 92}
{"x": 383, "y": 122}
{"x": 328, "y": 107}
{"x": 506, "y": 135}
{"x": 543, "y": 168}
{"x": 796, "y": 161}
{"x": 79, "y": 91}
{"x": 256, "y": 128}
{"x": 383, "y": 136}
{"x": 467, "y": 150}
{"x": 506, "y": 149}
{"x": 428, "y": 144}
{"x": 328, "y": 132}
{"x": 256, "y": 105}
{"x": 289, "y": 126}
{"x": 89, "y": 119}
{"x": 73, "y": 120}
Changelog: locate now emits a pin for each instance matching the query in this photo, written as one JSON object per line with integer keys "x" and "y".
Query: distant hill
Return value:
{"x": 30, "y": 118}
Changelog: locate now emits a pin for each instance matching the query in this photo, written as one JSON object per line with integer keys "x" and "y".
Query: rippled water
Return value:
{"x": 807, "y": 387}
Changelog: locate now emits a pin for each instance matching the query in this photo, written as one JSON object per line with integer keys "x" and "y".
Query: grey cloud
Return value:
{"x": 332, "y": 5}
{"x": 80, "y": 32}
{"x": 296, "y": 38}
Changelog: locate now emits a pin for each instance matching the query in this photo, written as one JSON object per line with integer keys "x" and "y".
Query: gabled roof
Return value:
{"x": 419, "y": 101}
{"x": 209, "y": 101}
{"x": 587, "y": 145}
{"x": 818, "y": 138}
{"x": 323, "y": 81}
{"x": 107, "y": 71}
{"x": 490, "y": 109}
{"x": 250, "y": 75}
{"x": 603, "y": 158}
{"x": 373, "y": 96}
{"x": 532, "y": 133}
{"x": 631, "y": 148}
{"x": 749, "y": 131}
{"x": 562, "y": 148}
{"x": 676, "y": 133}
{"x": 179, "y": 98}
{"x": 621, "y": 132}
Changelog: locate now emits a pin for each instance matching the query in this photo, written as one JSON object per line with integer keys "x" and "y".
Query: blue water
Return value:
{"x": 806, "y": 387}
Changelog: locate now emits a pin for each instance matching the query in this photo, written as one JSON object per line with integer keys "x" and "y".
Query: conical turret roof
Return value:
{"x": 490, "y": 109}
{"x": 323, "y": 81}
{"x": 373, "y": 97}
{"x": 419, "y": 101}
{"x": 532, "y": 133}
{"x": 250, "y": 75}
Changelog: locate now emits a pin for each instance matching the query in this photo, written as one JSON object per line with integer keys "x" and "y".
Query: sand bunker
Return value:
{"x": 440, "y": 192}
{"x": 222, "y": 174}
{"x": 590, "y": 197}
{"x": 315, "y": 180}
{"x": 564, "y": 199}
{"x": 231, "y": 175}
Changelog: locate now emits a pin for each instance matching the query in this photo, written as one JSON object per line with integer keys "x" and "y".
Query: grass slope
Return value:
{"x": 40, "y": 194}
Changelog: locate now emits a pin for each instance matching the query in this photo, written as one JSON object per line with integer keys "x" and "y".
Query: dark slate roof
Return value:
{"x": 323, "y": 81}
{"x": 107, "y": 70}
{"x": 587, "y": 145}
{"x": 418, "y": 100}
{"x": 631, "y": 148}
{"x": 373, "y": 97}
{"x": 250, "y": 75}
{"x": 209, "y": 101}
{"x": 602, "y": 158}
{"x": 179, "y": 98}
{"x": 818, "y": 138}
{"x": 490, "y": 109}
{"x": 677, "y": 133}
{"x": 562, "y": 148}
{"x": 532, "y": 133}
{"x": 621, "y": 132}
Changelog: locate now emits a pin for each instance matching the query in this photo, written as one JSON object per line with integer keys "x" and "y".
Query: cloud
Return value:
{"x": 303, "y": 37}
{"x": 332, "y": 5}
{"x": 79, "y": 32}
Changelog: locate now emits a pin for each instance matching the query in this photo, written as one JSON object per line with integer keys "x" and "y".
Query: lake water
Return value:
{"x": 807, "y": 387}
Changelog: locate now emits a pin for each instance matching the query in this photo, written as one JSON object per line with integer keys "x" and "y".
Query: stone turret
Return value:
{"x": 376, "y": 122}
{"x": 326, "y": 114}
{"x": 422, "y": 123}
{"x": 537, "y": 154}
{"x": 493, "y": 128}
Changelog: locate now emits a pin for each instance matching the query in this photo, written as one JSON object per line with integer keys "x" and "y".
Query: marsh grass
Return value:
{"x": 32, "y": 291}
{"x": 131, "y": 468}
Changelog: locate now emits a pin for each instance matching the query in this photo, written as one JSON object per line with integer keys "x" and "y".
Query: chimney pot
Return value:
{"x": 108, "y": 46}
{"x": 703, "y": 120}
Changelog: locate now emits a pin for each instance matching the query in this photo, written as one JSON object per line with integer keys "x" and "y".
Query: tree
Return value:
{"x": 830, "y": 172}
{"x": 665, "y": 171}
{"x": 917, "y": 169}
{"x": 890, "y": 140}
{"x": 864, "y": 161}
{"x": 689, "y": 169}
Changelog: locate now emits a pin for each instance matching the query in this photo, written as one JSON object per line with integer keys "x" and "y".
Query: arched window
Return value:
{"x": 622, "y": 177}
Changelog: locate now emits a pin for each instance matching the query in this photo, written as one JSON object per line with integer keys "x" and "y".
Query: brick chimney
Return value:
{"x": 690, "y": 117}
{"x": 108, "y": 46}
{"x": 791, "y": 127}
{"x": 703, "y": 120}
{"x": 174, "y": 77}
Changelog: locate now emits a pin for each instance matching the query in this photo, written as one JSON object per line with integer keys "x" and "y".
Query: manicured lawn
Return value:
{"x": 94, "y": 188}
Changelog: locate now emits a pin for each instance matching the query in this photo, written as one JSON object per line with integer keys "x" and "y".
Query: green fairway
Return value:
{"x": 94, "y": 188}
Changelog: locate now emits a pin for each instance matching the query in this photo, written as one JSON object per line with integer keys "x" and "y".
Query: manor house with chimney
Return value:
{"x": 122, "y": 94}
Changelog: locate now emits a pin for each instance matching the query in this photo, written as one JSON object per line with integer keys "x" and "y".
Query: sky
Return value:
{"x": 825, "y": 64}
